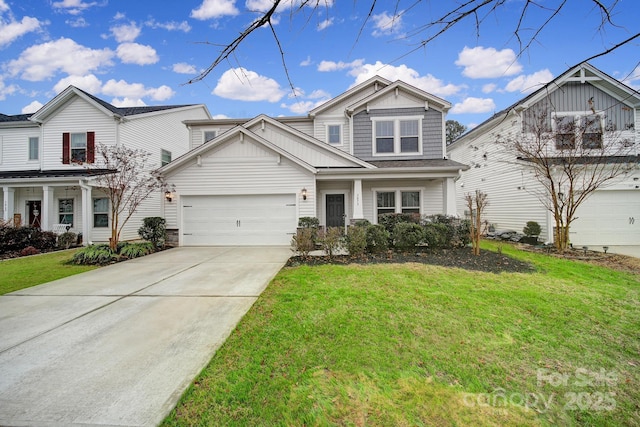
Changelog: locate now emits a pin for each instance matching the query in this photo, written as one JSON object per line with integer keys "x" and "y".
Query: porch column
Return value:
{"x": 358, "y": 211}
{"x": 449, "y": 196}
{"x": 86, "y": 213}
{"x": 46, "y": 221}
{"x": 8, "y": 204}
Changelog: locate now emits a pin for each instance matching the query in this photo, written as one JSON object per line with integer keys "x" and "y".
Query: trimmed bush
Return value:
{"x": 361, "y": 223}
{"x": 154, "y": 230}
{"x": 532, "y": 229}
{"x": 390, "y": 220}
{"x": 14, "y": 239}
{"x": 95, "y": 255}
{"x": 136, "y": 250}
{"x": 356, "y": 240}
{"x": 29, "y": 250}
{"x": 66, "y": 240}
{"x": 331, "y": 240}
{"x": 308, "y": 222}
{"x": 377, "y": 239}
{"x": 304, "y": 241}
{"x": 407, "y": 235}
{"x": 437, "y": 236}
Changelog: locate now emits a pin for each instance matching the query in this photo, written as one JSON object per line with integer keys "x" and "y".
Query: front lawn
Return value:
{"x": 20, "y": 273}
{"x": 415, "y": 344}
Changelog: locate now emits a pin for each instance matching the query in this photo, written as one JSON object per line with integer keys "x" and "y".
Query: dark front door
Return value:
{"x": 35, "y": 212}
{"x": 335, "y": 210}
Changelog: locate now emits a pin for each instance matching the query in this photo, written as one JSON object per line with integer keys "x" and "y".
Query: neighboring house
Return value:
{"x": 377, "y": 148}
{"x": 45, "y": 156}
{"x": 611, "y": 216}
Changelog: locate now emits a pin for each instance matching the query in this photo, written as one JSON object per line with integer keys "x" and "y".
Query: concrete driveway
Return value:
{"x": 119, "y": 345}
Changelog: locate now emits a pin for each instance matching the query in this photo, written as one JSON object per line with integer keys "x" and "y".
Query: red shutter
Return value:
{"x": 91, "y": 147}
{"x": 66, "y": 148}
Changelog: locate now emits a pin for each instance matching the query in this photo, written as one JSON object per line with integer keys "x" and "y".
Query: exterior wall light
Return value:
{"x": 304, "y": 194}
{"x": 168, "y": 195}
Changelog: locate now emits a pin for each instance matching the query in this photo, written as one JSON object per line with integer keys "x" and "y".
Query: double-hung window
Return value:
{"x": 165, "y": 157}
{"x": 397, "y": 201}
{"x": 591, "y": 127}
{"x": 572, "y": 129}
{"x": 65, "y": 211}
{"x": 101, "y": 212}
{"x": 34, "y": 148}
{"x": 397, "y": 136}
{"x": 78, "y": 147}
{"x": 334, "y": 134}
{"x": 209, "y": 135}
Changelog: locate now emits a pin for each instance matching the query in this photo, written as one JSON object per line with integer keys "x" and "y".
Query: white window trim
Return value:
{"x": 162, "y": 151}
{"x": 577, "y": 115}
{"x": 204, "y": 130}
{"x": 398, "y": 200}
{"x": 73, "y": 212}
{"x": 29, "y": 159}
{"x": 396, "y": 135}
{"x": 340, "y": 125}
{"x": 323, "y": 204}
{"x": 93, "y": 213}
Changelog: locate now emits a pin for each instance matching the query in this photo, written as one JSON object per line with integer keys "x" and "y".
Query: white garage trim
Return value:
{"x": 237, "y": 220}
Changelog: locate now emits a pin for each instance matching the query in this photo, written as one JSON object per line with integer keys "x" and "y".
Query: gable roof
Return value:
{"x": 70, "y": 92}
{"x": 226, "y": 137}
{"x": 583, "y": 72}
{"x": 375, "y": 80}
{"x": 439, "y": 103}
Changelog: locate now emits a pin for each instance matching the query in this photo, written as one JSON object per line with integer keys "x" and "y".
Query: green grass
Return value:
{"x": 387, "y": 345}
{"x": 20, "y": 273}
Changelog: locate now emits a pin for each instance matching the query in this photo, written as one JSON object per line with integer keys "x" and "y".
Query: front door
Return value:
{"x": 335, "y": 210}
{"x": 35, "y": 212}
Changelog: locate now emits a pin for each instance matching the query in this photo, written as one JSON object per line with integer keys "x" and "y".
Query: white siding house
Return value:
{"x": 611, "y": 215}
{"x": 252, "y": 182}
{"x": 44, "y": 173}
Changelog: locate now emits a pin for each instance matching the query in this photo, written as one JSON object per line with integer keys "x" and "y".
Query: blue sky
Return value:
{"x": 143, "y": 52}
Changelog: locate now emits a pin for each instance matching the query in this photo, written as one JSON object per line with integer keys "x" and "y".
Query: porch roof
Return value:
{"x": 38, "y": 174}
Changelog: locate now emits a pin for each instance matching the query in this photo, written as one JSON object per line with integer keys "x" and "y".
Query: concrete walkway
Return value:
{"x": 119, "y": 345}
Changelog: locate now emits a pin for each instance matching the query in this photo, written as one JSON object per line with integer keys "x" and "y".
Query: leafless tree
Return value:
{"x": 476, "y": 203}
{"x": 129, "y": 184}
{"x": 571, "y": 156}
{"x": 534, "y": 18}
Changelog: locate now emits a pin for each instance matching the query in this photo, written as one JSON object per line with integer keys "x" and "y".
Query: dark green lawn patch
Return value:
{"x": 417, "y": 344}
{"x": 20, "y": 273}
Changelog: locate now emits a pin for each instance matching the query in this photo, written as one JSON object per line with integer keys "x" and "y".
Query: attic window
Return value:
{"x": 209, "y": 135}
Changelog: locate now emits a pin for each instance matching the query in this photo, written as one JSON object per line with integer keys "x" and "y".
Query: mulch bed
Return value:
{"x": 487, "y": 261}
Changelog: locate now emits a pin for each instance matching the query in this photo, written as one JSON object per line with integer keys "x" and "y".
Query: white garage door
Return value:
{"x": 238, "y": 220}
{"x": 608, "y": 218}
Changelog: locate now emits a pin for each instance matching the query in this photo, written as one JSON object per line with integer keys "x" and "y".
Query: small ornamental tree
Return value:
{"x": 129, "y": 184}
{"x": 476, "y": 204}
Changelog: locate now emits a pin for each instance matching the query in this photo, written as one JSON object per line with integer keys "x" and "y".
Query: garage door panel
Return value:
{"x": 239, "y": 220}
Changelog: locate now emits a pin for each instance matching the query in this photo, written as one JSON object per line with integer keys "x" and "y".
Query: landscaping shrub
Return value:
{"x": 331, "y": 240}
{"x": 154, "y": 230}
{"x": 95, "y": 255}
{"x": 136, "y": 250}
{"x": 356, "y": 240}
{"x": 377, "y": 239}
{"x": 449, "y": 231}
{"x": 390, "y": 220}
{"x": 304, "y": 241}
{"x": 361, "y": 222}
{"x": 17, "y": 238}
{"x": 532, "y": 229}
{"x": 308, "y": 222}
{"x": 407, "y": 235}
{"x": 29, "y": 250}
{"x": 437, "y": 236}
{"x": 66, "y": 240}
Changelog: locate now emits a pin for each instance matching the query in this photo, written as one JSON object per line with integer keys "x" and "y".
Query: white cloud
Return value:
{"x": 529, "y": 83}
{"x": 42, "y": 61}
{"x": 184, "y": 68}
{"x": 326, "y": 66}
{"x": 260, "y": 5}
{"x": 219, "y": 116}
{"x": 474, "y": 105}
{"x": 319, "y": 93}
{"x": 32, "y": 107}
{"x": 118, "y": 16}
{"x": 6, "y": 90}
{"x": 134, "y": 91}
{"x": 489, "y": 87}
{"x": 483, "y": 63}
{"x": 72, "y": 7}
{"x": 77, "y": 22}
{"x": 135, "y": 53}
{"x": 126, "y": 32}
{"x": 215, "y": 9}
{"x": 169, "y": 26}
{"x": 300, "y": 107}
{"x": 11, "y": 30}
{"x": 386, "y": 24}
{"x": 245, "y": 85}
{"x": 88, "y": 83}
{"x": 324, "y": 24}
{"x": 306, "y": 62}
{"x": 3, "y": 6}
{"x": 428, "y": 83}
{"x": 128, "y": 102}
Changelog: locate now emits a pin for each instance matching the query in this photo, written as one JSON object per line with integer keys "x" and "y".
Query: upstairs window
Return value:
{"x": 591, "y": 127}
{"x": 571, "y": 130}
{"x": 209, "y": 135}
{"x": 165, "y": 157}
{"x": 334, "y": 134}
{"x": 398, "y": 136}
{"x": 78, "y": 147}
{"x": 34, "y": 148}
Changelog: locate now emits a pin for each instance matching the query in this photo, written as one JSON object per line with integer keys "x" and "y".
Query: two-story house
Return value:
{"x": 377, "y": 148}
{"x": 583, "y": 99}
{"x": 45, "y": 159}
